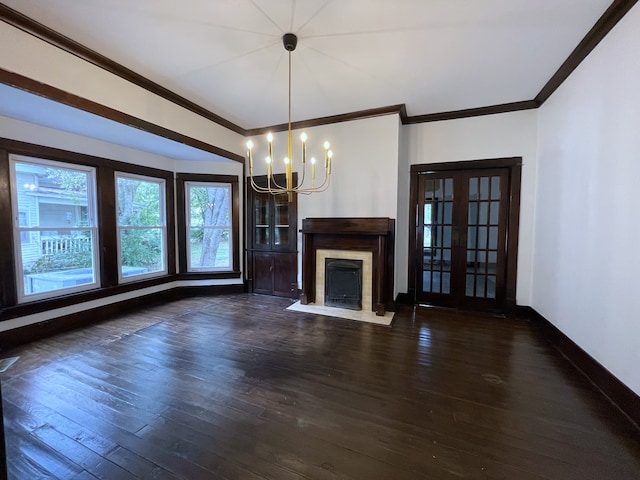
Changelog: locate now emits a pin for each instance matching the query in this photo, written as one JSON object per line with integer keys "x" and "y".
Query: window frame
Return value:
{"x": 183, "y": 225}
{"x": 18, "y": 230}
{"x": 188, "y": 185}
{"x": 163, "y": 227}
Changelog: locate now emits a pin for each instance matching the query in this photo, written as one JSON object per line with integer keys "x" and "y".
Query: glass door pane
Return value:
{"x": 261, "y": 212}
{"x": 281, "y": 226}
{"x": 437, "y": 235}
{"x": 483, "y": 233}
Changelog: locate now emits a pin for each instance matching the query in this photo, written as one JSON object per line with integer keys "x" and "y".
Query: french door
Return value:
{"x": 461, "y": 238}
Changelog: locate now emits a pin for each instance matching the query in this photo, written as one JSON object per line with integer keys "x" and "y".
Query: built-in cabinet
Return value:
{"x": 272, "y": 251}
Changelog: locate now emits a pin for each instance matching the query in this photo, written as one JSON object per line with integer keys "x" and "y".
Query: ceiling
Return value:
{"x": 430, "y": 55}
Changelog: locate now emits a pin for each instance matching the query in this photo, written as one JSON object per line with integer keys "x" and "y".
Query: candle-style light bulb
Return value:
{"x": 286, "y": 160}
{"x": 326, "y": 157}
{"x": 303, "y": 138}
{"x": 268, "y": 160}
{"x": 249, "y": 147}
{"x": 270, "y": 140}
{"x": 313, "y": 170}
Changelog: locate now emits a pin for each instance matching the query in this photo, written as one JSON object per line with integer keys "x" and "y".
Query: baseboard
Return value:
{"x": 192, "y": 291}
{"x": 29, "y": 333}
{"x": 37, "y": 331}
{"x": 404, "y": 299}
{"x": 619, "y": 394}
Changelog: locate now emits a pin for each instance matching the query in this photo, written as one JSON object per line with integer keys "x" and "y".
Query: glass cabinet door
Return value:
{"x": 261, "y": 216}
{"x": 281, "y": 221}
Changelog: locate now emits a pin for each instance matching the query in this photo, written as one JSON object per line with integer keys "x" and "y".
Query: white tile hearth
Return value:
{"x": 358, "y": 315}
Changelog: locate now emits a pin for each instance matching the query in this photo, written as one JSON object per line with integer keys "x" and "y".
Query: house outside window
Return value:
{"x": 142, "y": 230}
{"x": 55, "y": 227}
{"x": 209, "y": 231}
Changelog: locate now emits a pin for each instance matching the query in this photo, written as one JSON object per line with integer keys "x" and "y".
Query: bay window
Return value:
{"x": 55, "y": 229}
{"x": 141, "y": 226}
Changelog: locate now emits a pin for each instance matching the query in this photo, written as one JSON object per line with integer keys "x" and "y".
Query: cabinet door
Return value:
{"x": 285, "y": 274}
{"x": 262, "y": 221}
{"x": 263, "y": 273}
{"x": 283, "y": 233}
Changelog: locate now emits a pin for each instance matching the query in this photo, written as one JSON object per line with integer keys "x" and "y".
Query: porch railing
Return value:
{"x": 54, "y": 245}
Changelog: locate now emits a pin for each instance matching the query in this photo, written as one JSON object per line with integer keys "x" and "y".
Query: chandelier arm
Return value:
{"x": 301, "y": 182}
{"x": 276, "y": 184}
{"x": 273, "y": 187}
{"x": 322, "y": 188}
{"x": 258, "y": 188}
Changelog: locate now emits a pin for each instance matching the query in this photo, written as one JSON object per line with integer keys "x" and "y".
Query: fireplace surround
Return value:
{"x": 375, "y": 235}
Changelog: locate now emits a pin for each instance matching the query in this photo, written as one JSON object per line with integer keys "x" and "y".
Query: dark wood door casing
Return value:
{"x": 507, "y": 284}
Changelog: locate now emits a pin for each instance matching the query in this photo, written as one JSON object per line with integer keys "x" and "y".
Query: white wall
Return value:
{"x": 586, "y": 259}
{"x": 45, "y": 136}
{"x": 364, "y": 174}
{"x": 492, "y": 136}
{"x": 27, "y": 55}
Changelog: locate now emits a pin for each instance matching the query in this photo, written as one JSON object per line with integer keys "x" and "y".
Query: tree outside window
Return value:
{"x": 141, "y": 225}
{"x": 208, "y": 212}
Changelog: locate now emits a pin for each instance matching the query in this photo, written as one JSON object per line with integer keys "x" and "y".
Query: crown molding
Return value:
{"x": 52, "y": 93}
{"x": 38, "y": 30}
{"x": 616, "y": 11}
{"x": 345, "y": 117}
{"x": 472, "y": 112}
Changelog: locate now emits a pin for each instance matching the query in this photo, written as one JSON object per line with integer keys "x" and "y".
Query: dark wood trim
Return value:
{"x": 413, "y": 258}
{"x": 603, "y": 26}
{"x": 181, "y": 178}
{"x": 620, "y": 395}
{"x": 46, "y": 328}
{"x": 506, "y": 162}
{"x": 8, "y": 293}
{"x": 210, "y": 275}
{"x": 367, "y": 234}
{"x": 345, "y": 117}
{"x": 514, "y": 165}
{"x": 107, "y": 242}
{"x": 404, "y": 299}
{"x": 38, "y": 30}
{"x": 52, "y": 93}
{"x": 617, "y": 10}
{"x": 39, "y": 151}
{"x": 39, "y": 306}
{"x": 185, "y": 292}
{"x": 170, "y": 213}
{"x": 513, "y": 229}
{"x": 473, "y": 112}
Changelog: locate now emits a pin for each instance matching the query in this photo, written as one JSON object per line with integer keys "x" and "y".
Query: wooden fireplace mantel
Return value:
{"x": 365, "y": 234}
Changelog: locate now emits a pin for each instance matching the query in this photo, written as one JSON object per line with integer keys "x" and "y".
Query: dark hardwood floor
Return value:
{"x": 236, "y": 387}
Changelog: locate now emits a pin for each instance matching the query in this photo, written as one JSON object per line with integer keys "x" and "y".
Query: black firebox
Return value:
{"x": 343, "y": 283}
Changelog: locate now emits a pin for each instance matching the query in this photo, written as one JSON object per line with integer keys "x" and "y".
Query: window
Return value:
{"x": 208, "y": 214}
{"x": 55, "y": 228}
{"x": 141, "y": 229}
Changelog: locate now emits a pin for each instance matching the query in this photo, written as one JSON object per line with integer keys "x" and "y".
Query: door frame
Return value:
{"x": 514, "y": 165}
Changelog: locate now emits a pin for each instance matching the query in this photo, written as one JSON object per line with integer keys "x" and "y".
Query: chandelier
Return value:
{"x": 290, "y": 41}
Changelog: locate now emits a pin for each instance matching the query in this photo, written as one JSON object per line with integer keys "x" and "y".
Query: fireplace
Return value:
{"x": 368, "y": 239}
{"x": 343, "y": 283}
